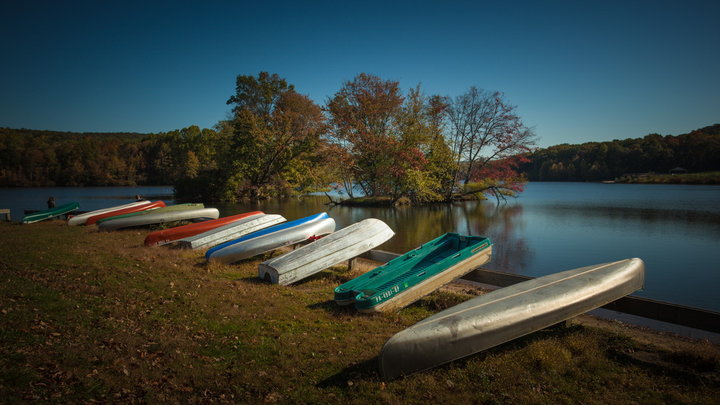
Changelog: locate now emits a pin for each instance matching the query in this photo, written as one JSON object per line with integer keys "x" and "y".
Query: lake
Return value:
{"x": 550, "y": 227}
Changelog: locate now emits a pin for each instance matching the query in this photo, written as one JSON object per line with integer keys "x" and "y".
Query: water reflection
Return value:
{"x": 644, "y": 217}
{"x": 414, "y": 226}
{"x": 549, "y": 228}
{"x": 554, "y": 227}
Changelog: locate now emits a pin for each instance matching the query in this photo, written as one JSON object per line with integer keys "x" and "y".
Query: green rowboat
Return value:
{"x": 415, "y": 274}
{"x": 50, "y": 213}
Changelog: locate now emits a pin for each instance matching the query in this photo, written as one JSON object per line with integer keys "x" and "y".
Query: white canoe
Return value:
{"x": 290, "y": 233}
{"x": 153, "y": 218}
{"x": 508, "y": 313}
{"x": 231, "y": 231}
{"x": 342, "y": 245}
{"x": 80, "y": 219}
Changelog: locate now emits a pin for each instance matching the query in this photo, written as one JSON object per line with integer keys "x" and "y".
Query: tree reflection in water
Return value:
{"x": 415, "y": 225}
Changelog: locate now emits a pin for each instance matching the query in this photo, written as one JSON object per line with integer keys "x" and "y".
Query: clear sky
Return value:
{"x": 577, "y": 70}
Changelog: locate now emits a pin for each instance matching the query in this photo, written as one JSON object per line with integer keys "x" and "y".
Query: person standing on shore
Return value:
{"x": 51, "y": 202}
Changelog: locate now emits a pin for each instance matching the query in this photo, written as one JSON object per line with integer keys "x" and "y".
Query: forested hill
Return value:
{"x": 30, "y": 158}
{"x": 697, "y": 151}
{"x": 61, "y": 134}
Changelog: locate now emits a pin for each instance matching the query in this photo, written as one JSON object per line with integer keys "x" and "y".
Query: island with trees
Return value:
{"x": 372, "y": 141}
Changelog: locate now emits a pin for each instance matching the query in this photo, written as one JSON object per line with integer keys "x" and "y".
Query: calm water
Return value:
{"x": 549, "y": 228}
{"x": 90, "y": 198}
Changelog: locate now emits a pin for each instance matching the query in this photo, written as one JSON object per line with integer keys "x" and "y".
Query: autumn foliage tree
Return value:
{"x": 371, "y": 137}
{"x": 274, "y": 132}
{"x": 383, "y": 135}
{"x": 488, "y": 141}
{"x": 427, "y": 148}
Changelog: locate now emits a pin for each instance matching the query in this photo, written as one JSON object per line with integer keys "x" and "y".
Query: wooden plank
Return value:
{"x": 697, "y": 318}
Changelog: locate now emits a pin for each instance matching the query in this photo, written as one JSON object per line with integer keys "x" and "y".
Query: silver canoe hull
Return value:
{"x": 159, "y": 218}
{"x": 342, "y": 245}
{"x": 508, "y": 313}
{"x": 82, "y": 218}
{"x": 265, "y": 243}
{"x": 231, "y": 231}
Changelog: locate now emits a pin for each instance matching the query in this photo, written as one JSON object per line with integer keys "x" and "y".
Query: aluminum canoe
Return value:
{"x": 93, "y": 219}
{"x": 268, "y": 239}
{"x": 80, "y": 219}
{"x": 231, "y": 231}
{"x": 342, "y": 245}
{"x": 160, "y": 217}
{"x": 505, "y": 314}
{"x": 50, "y": 213}
{"x": 165, "y": 236}
{"x": 168, "y": 208}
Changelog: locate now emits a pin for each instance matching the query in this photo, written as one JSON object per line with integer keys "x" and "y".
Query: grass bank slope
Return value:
{"x": 89, "y": 316}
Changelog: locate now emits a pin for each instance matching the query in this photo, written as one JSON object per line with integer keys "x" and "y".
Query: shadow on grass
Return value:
{"x": 252, "y": 280}
{"x": 367, "y": 370}
{"x": 202, "y": 263}
{"x": 331, "y": 307}
{"x": 331, "y": 276}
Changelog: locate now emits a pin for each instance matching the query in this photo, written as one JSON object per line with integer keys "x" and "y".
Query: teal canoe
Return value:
{"x": 415, "y": 274}
{"x": 50, "y": 213}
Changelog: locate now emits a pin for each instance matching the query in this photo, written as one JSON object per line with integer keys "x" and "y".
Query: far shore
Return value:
{"x": 704, "y": 178}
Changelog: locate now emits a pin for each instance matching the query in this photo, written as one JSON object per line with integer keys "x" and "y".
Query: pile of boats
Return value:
{"x": 475, "y": 325}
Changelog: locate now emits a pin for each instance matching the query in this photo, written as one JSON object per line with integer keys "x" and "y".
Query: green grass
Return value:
{"x": 89, "y": 316}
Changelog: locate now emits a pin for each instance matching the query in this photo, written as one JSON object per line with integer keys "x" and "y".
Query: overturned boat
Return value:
{"x": 50, "y": 213}
{"x": 173, "y": 213}
{"x": 342, "y": 245}
{"x": 506, "y": 314}
{"x": 290, "y": 233}
{"x": 165, "y": 236}
{"x": 82, "y": 218}
{"x": 235, "y": 230}
{"x": 91, "y": 220}
{"x": 415, "y": 274}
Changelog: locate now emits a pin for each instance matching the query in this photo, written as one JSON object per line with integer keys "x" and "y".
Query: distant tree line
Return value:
{"x": 31, "y": 158}
{"x": 371, "y": 138}
{"x": 697, "y": 151}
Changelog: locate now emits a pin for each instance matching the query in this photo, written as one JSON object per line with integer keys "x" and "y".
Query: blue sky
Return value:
{"x": 578, "y": 71}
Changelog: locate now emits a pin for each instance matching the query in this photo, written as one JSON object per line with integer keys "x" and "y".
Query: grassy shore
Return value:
{"x": 89, "y": 316}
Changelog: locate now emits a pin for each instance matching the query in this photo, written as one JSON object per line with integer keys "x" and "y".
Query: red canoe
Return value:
{"x": 172, "y": 234}
{"x": 93, "y": 219}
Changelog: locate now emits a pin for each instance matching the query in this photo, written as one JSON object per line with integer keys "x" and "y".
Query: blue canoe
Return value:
{"x": 272, "y": 238}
